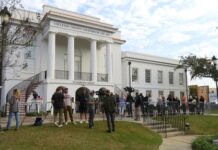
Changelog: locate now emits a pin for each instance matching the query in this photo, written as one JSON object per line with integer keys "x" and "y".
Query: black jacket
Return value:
{"x": 58, "y": 100}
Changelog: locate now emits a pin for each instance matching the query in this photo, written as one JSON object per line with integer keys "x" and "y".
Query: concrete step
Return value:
{"x": 165, "y": 130}
{"x": 171, "y": 134}
{"x": 157, "y": 126}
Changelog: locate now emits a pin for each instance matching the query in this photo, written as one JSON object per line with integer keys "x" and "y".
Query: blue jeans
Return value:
{"x": 110, "y": 121}
{"x": 10, "y": 117}
{"x": 91, "y": 117}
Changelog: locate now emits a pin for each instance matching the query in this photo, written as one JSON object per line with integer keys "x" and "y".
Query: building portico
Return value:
{"x": 93, "y": 57}
{"x": 71, "y": 50}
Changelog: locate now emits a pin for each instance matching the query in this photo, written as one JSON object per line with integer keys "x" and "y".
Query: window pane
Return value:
{"x": 160, "y": 93}
{"x": 172, "y": 93}
{"x": 181, "y": 78}
{"x": 134, "y": 74}
{"x": 182, "y": 94}
{"x": 148, "y": 76}
{"x": 148, "y": 93}
{"x": 160, "y": 76}
{"x": 170, "y": 77}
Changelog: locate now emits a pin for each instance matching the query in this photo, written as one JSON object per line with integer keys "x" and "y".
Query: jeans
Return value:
{"x": 110, "y": 121}
{"x": 91, "y": 117}
{"x": 121, "y": 111}
{"x": 10, "y": 117}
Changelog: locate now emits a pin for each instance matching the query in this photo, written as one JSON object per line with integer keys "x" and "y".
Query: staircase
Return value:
{"x": 165, "y": 125}
{"x": 25, "y": 87}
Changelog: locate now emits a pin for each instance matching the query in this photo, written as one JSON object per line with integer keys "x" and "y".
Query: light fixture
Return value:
{"x": 5, "y": 16}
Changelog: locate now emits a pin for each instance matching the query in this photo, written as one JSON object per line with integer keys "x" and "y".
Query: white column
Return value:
{"x": 51, "y": 56}
{"x": 70, "y": 59}
{"x": 93, "y": 60}
{"x": 108, "y": 62}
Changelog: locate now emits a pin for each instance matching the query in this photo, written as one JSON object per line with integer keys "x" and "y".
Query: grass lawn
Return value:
{"x": 203, "y": 124}
{"x": 128, "y": 136}
{"x": 214, "y": 111}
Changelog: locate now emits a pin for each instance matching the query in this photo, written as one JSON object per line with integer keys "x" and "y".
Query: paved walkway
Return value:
{"x": 178, "y": 142}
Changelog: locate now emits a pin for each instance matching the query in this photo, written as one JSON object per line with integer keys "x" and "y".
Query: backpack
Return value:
{"x": 38, "y": 121}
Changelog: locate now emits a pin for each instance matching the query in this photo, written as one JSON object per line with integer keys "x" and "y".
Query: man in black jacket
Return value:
{"x": 109, "y": 106}
{"x": 129, "y": 101}
{"x": 138, "y": 103}
{"x": 58, "y": 105}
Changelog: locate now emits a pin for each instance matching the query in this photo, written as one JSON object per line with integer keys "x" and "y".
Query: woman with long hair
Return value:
{"x": 14, "y": 108}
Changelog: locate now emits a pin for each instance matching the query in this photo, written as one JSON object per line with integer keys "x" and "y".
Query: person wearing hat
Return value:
{"x": 109, "y": 106}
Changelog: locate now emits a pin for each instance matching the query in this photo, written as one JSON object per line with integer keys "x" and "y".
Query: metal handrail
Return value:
{"x": 161, "y": 119}
{"x": 27, "y": 85}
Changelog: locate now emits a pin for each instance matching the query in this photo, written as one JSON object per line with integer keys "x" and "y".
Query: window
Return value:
{"x": 148, "y": 93}
{"x": 170, "y": 77}
{"x": 160, "y": 77}
{"x": 147, "y": 76}
{"x": 172, "y": 93}
{"x": 181, "y": 78}
{"x": 77, "y": 64}
{"x": 182, "y": 94}
{"x": 134, "y": 74}
{"x": 160, "y": 93}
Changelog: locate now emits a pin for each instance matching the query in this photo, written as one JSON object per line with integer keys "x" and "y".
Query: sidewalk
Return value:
{"x": 178, "y": 142}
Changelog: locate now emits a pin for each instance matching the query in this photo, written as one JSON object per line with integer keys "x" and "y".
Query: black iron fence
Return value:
{"x": 164, "y": 118}
{"x": 84, "y": 76}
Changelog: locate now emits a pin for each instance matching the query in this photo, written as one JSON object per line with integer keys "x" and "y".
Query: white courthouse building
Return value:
{"x": 153, "y": 75}
{"x": 76, "y": 50}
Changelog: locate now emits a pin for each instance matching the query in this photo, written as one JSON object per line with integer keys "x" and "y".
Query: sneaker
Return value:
{"x": 74, "y": 122}
{"x": 66, "y": 123}
{"x": 81, "y": 122}
{"x": 60, "y": 126}
{"x": 56, "y": 123}
{"x": 86, "y": 121}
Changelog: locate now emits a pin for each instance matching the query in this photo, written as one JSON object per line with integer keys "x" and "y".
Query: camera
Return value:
{"x": 129, "y": 89}
{"x": 101, "y": 92}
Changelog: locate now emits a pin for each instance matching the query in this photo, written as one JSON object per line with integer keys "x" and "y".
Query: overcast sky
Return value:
{"x": 168, "y": 28}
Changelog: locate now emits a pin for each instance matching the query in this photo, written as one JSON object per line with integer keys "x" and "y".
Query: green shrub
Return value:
{"x": 205, "y": 143}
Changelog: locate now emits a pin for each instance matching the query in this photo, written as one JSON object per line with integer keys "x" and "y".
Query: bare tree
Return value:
{"x": 18, "y": 34}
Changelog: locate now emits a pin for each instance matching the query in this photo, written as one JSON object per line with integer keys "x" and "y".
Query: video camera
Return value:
{"x": 101, "y": 92}
{"x": 129, "y": 89}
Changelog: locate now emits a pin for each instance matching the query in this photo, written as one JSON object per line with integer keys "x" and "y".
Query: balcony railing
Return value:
{"x": 102, "y": 77}
{"x": 82, "y": 76}
{"x": 61, "y": 74}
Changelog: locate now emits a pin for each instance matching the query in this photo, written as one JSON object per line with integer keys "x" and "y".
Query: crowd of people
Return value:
{"x": 62, "y": 104}
{"x": 109, "y": 104}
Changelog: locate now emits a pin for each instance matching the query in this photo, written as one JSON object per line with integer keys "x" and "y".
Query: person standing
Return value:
{"x": 14, "y": 108}
{"x": 83, "y": 105}
{"x": 68, "y": 107}
{"x": 58, "y": 105}
{"x": 129, "y": 101}
{"x": 109, "y": 106}
{"x": 184, "y": 104}
{"x": 122, "y": 106}
{"x": 91, "y": 108}
{"x": 201, "y": 103}
{"x": 137, "y": 106}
